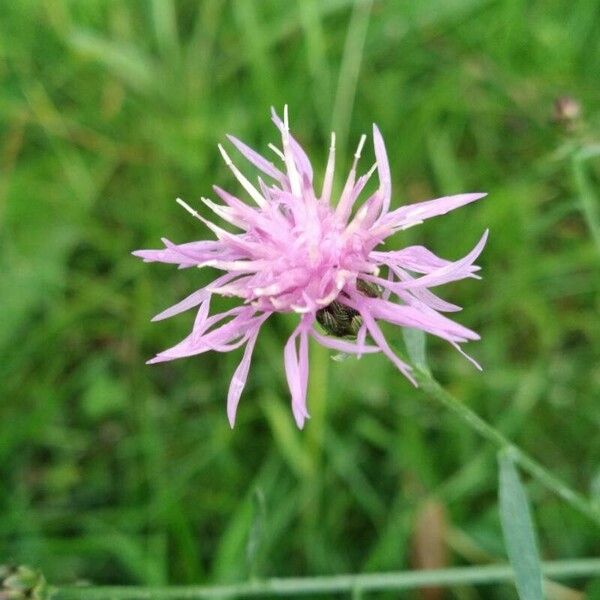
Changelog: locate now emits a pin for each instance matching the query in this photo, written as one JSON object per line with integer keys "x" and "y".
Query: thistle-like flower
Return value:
{"x": 297, "y": 251}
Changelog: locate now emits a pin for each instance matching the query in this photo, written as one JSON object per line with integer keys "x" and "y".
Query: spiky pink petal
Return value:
{"x": 238, "y": 381}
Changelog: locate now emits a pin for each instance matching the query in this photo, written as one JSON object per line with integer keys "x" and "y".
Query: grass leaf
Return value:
{"x": 123, "y": 60}
{"x": 519, "y": 534}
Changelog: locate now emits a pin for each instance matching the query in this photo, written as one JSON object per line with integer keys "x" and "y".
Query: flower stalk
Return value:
{"x": 436, "y": 392}
{"x": 336, "y": 584}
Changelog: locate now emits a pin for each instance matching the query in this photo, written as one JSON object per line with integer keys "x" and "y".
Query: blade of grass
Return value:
{"x": 125, "y": 61}
{"x": 349, "y": 70}
{"x": 335, "y": 584}
{"x": 256, "y": 533}
{"x": 164, "y": 20}
{"x": 247, "y": 15}
{"x": 310, "y": 16}
{"x": 589, "y": 201}
{"x": 518, "y": 529}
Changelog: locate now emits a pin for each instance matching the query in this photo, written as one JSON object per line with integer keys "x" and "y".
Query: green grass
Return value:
{"x": 121, "y": 473}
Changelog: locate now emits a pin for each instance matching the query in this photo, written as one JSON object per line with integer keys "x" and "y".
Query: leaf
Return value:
{"x": 123, "y": 60}
{"x": 588, "y": 199}
{"x": 415, "y": 342}
{"x": 164, "y": 18}
{"x": 256, "y": 532}
{"x": 518, "y": 529}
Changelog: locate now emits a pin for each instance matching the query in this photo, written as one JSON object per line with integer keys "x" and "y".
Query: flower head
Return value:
{"x": 297, "y": 251}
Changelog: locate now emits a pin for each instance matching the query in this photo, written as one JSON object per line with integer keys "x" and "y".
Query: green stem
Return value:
{"x": 317, "y": 393}
{"x": 434, "y": 390}
{"x": 334, "y": 584}
{"x": 315, "y": 433}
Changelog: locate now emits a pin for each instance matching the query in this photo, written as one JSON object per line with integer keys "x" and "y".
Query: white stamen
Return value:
{"x": 243, "y": 266}
{"x": 254, "y": 193}
{"x": 293, "y": 174}
{"x": 222, "y": 211}
{"x": 328, "y": 179}
{"x": 286, "y": 122}
{"x": 301, "y": 310}
{"x": 218, "y": 231}
{"x": 277, "y": 151}
{"x": 343, "y": 209}
{"x": 187, "y": 207}
{"x": 357, "y": 154}
{"x": 371, "y": 171}
{"x": 361, "y": 144}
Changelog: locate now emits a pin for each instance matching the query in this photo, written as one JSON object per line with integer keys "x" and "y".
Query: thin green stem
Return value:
{"x": 434, "y": 390}
{"x": 313, "y": 484}
{"x": 335, "y": 584}
{"x": 319, "y": 376}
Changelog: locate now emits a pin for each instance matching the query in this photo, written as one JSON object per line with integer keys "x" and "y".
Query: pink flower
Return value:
{"x": 298, "y": 252}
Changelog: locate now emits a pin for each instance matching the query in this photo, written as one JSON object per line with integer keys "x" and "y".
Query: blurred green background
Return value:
{"x": 117, "y": 472}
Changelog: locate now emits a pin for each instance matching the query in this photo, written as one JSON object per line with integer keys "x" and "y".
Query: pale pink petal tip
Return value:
{"x": 238, "y": 381}
{"x": 295, "y": 251}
